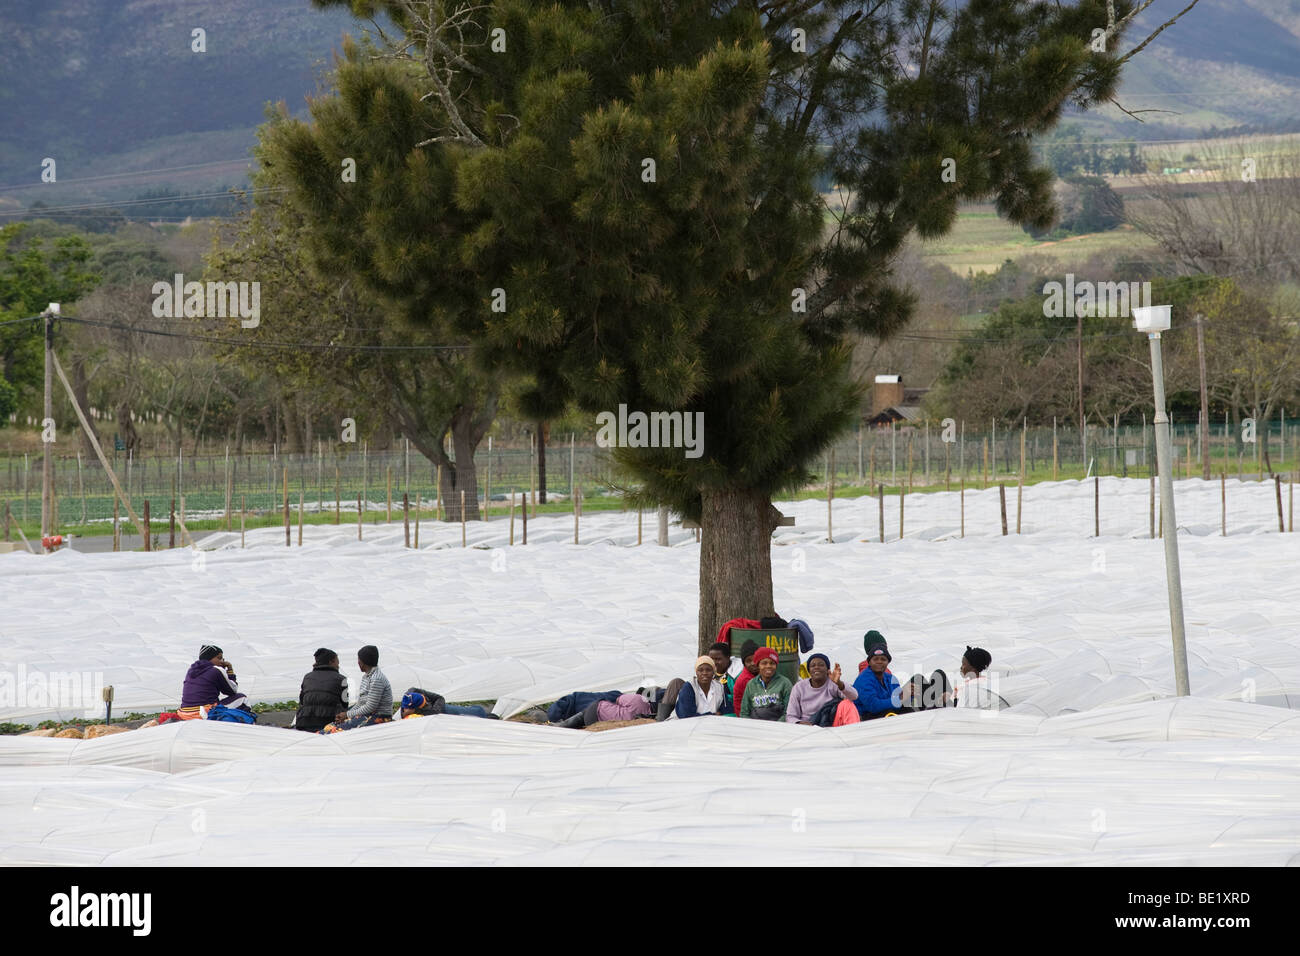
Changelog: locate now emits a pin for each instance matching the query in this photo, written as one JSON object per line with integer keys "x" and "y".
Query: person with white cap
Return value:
{"x": 703, "y": 696}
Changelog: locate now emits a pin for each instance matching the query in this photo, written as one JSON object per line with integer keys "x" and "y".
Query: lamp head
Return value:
{"x": 1151, "y": 318}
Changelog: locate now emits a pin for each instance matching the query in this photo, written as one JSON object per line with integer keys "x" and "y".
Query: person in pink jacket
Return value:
{"x": 623, "y": 707}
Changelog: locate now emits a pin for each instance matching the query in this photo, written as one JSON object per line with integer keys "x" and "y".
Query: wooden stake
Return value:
{"x": 358, "y": 517}
{"x": 963, "y": 505}
{"x": 338, "y": 496}
{"x": 638, "y": 527}
{"x": 439, "y": 503}
{"x": 1152, "y": 482}
{"x": 830, "y": 495}
{"x": 388, "y": 501}
{"x": 171, "y": 525}
{"x": 417, "y": 521}
{"x": 117, "y": 528}
{"x": 300, "y": 505}
{"x": 243, "y": 504}
{"x": 1055, "y": 457}
{"x": 462, "y": 517}
{"x": 524, "y": 514}
{"x": 575, "y": 516}
{"x": 148, "y": 538}
{"x": 512, "y": 517}
{"x": 406, "y": 520}
{"x": 288, "y": 528}
{"x": 881, "y": 498}
{"x": 1002, "y": 499}
{"x": 1290, "y": 504}
{"x": 81, "y": 488}
{"x": 986, "y": 464}
{"x": 230, "y": 487}
{"x": 901, "y": 495}
{"x": 1223, "y": 501}
{"x": 1096, "y": 506}
{"x": 1277, "y": 486}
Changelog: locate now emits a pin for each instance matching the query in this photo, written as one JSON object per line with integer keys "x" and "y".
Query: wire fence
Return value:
{"x": 926, "y": 456}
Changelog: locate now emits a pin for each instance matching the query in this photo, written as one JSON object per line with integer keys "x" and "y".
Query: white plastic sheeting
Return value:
{"x": 1167, "y": 782}
{"x": 1092, "y": 762}
{"x": 1073, "y": 622}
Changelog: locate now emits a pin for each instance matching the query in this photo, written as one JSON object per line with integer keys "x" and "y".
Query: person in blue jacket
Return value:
{"x": 878, "y": 690}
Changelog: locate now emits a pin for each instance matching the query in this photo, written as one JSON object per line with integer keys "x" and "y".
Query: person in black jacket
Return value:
{"x": 324, "y": 693}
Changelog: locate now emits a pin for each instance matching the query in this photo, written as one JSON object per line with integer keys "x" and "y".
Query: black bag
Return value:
{"x": 773, "y": 623}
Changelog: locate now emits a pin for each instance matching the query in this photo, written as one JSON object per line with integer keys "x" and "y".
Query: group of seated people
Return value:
{"x": 210, "y": 691}
{"x": 749, "y": 686}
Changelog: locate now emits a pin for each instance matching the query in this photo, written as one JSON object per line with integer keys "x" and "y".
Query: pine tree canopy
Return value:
{"x": 636, "y": 179}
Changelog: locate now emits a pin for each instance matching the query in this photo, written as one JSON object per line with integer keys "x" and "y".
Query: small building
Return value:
{"x": 892, "y": 401}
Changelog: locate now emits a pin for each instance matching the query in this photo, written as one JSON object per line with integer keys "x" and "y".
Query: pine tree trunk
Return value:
{"x": 735, "y": 559}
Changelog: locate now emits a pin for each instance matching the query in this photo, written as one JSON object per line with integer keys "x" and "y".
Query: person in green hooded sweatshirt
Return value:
{"x": 767, "y": 695}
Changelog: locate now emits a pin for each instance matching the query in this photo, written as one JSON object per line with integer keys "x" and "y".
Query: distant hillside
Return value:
{"x": 111, "y": 87}
{"x": 1226, "y": 64}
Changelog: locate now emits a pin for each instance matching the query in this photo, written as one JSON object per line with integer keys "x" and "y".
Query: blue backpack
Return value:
{"x": 231, "y": 715}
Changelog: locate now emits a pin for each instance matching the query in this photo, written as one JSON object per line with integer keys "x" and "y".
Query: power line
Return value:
{"x": 255, "y": 344}
{"x": 140, "y": 172}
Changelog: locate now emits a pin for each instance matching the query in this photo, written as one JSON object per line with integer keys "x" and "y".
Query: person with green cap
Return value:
{"x": 878, "y": 690}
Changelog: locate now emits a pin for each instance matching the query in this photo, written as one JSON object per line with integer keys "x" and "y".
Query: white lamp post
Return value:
{"x": 1153, "y": 320}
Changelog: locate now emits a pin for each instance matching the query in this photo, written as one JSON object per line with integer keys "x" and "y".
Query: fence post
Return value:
{"x": 963, "y": 505}
{"x": 512, "y": 517}
{"x": 301, "y": 497}
{"x": 117, "y": 528}
{"x": 171, "y": 526}
{"x": 902, "y": 493}
{"x": 1151, "y": 479}
{"x": 81, "y": 488}
{"x": 1002, "y": 499}
{"x": 358, "y": 517}
{"x": 881, "y": 498}
{"x": 487, "y": 484}
{"x": 1223, "y": 501}
{"x": 148, "y": 535}
{"x": 575, "y": 517}
{"x": 388, "y": 501}
{"x": 462, "y": 517}
{"x": 288, "y": 528}
{"x": 338, "y": 495}
{"x": 406, "y": 520}
{"x": 243, "y": 505}
{"x": 830, "y": 495}
{"x": 638, "y": 527}
{"x": 1277, "y": 485}
{"x": 417, "y": 521}
{"x": 1096, "y": 506}
{"x": 1055, "y": 458}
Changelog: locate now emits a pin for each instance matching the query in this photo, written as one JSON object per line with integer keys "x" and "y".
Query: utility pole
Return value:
{"x": 1205, "y": 404}
{"x": 47, "y": 420}
{"x": 1083, "y": 424}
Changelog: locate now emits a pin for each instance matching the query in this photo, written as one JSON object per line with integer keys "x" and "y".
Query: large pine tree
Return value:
{"x": 615, "y": 201}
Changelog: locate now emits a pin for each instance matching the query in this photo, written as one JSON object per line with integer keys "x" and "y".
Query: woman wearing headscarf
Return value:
{"x": 822, "y": 686}
{"x": 703, "y": 695}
